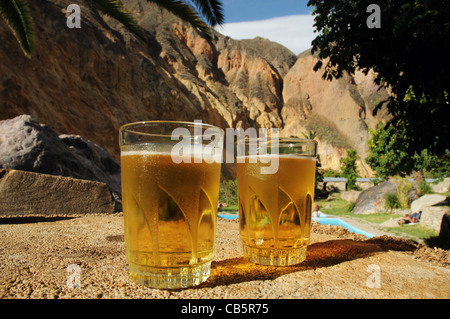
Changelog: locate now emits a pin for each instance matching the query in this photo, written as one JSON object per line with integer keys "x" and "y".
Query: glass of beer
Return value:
{"x": 170, "y": 188}
{"x": 275, "y": 208}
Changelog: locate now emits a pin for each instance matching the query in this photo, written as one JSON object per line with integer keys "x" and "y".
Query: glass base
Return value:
{"x": 169, "y": 278}
{"x": 274, "y": 257}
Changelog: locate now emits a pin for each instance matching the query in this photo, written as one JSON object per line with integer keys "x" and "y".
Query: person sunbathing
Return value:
{"x": 413, "y": 218}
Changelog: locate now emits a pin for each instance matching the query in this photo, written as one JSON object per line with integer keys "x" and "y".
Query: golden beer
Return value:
{"x": 170, "y": 209}
{"x": 275, "y": 209}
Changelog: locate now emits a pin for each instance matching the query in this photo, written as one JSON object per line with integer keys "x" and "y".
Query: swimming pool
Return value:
{"x": 320, "y": 220}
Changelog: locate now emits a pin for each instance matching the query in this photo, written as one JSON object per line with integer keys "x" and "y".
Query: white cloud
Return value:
{"x": 294, "y": 32}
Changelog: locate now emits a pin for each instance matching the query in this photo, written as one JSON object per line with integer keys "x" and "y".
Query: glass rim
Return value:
{"x": 126, "y": 127}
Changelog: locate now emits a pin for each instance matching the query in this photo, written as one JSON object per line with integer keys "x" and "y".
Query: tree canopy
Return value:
{"x": 388, "y": 155}
{"x": 408, "y": 52}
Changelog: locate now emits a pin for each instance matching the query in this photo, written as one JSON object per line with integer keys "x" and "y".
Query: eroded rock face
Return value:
{"x": 340, "y": 111}
{"x": 92, "y": 80}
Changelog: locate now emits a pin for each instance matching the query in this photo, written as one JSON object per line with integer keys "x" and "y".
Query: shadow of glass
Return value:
{"x": 30, "y": 220}
{"x": 324, "y": 254}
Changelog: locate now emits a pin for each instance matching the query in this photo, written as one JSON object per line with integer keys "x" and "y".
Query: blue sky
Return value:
{"x": 288, "y": 22}
{"x": 251, "y": 10}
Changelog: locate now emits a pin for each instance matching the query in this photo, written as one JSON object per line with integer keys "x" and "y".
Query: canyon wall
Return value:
{"x": 90, "y": 81}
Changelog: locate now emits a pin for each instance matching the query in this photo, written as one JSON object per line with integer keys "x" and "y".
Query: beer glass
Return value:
{"x": 275, "y": 208}
{"x": 170, "y": 188}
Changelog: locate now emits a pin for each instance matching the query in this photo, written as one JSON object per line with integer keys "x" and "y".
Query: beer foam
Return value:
{"x": 142, "y": 152}
{"x": 194, "y": 156}
{"x": 269, "y": 156}
{"x": 152, "y": 152}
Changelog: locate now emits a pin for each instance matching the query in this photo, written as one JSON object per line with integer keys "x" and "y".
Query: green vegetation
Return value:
{"x": 349, "y": 169}
{"x": 228, "y": 192}
{"x": 326, "y": 131}
{"x": 388, "y": 151}
{"x": 339, "y": 207}
{"x": 404, "y": 188}
{"x": 414, "y": 232}
{"x": 332, "y": 173}
{"x": 392, "y": 201}
{"x": 390, "y": 155}
{"x": 402, "y": 54}
{"x": 310, "y": 135}
{"x": 229, "y": 209}
{"x": 424, "y": 188}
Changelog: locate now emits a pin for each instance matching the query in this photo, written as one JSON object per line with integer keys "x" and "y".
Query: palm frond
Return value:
{"x": 116, "y": 10}
{"x": 185, "y": 12}
{"x": 18, "y": 17}
{"x": 212, "y": 10}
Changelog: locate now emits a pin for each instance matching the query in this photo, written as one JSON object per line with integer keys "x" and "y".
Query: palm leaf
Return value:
{"x": 18, "y": 17}
{"x": 116, "y": 10}
{"x": 212, "y": 10}
{"x": 186, "y": 13}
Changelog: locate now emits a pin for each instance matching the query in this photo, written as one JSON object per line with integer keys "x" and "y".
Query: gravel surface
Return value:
{"x": 41, "y": 258}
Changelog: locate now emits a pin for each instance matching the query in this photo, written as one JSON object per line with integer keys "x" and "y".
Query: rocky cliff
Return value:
{"x": 90, "y": 81}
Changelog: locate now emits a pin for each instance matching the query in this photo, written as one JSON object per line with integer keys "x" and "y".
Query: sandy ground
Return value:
{"x": 43, "y": 259}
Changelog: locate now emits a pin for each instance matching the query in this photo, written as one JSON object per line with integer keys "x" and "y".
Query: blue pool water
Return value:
{"x": 321, "y": 220}
{"x": 228, "y": 216}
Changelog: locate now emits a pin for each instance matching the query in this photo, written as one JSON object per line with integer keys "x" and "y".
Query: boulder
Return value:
{"x": 444, "y": 232}
{"x": 426, "y": 201}
{"x": 29, "y": 146}
{"x": 432, "y": 216}
{"x": 372, "y": 200}
{"x": 350, "y": 196}
{"x": 442, "y": 187}
{"x": 25, "y": 194}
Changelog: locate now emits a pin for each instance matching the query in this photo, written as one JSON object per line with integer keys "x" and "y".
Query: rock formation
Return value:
{"x": 372, "y": 200}
{"x": 90, "y": 81}
{"x": 27, "y": 194}
{"x": 26, "y": 145}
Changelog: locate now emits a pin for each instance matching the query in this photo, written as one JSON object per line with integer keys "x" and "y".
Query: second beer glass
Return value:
{"x": 275, "y": 209}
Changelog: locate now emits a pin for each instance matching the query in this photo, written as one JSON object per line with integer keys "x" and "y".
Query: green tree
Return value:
{"x": 228, "y": 192}
{"x": 350, "y": 169}
{"x": 408, "y": 54}
{"x": 390, "y": 155}
{"x": 432, "y": 166}
{"x": 17, "y": 15}
{"x": 388, "y": 151}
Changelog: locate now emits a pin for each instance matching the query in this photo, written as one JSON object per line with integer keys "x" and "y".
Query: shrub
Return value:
{"x": 392, "y": 201}
{"x": 228, "y": 192}
{"x": 331, "y": 173}
{"x": 424, "y": 188}
{"x": 350, "y": 169}
{"x": 404, "y": 190}
{"x": 350, "y": 206}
